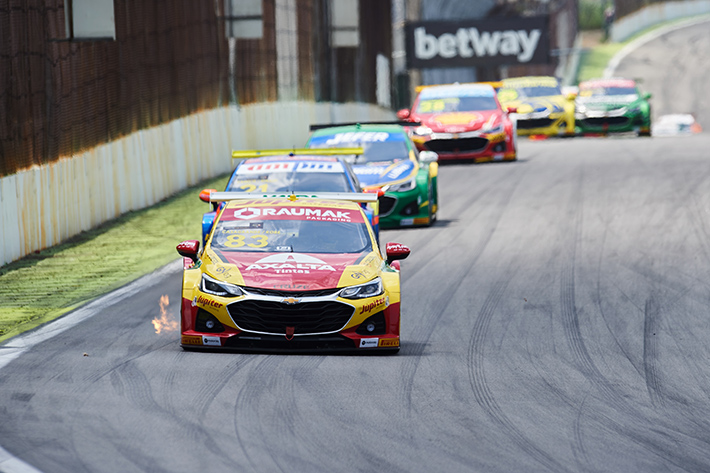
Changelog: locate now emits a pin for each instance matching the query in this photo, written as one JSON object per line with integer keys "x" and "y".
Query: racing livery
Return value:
{"x": 541, "y": 108}
{"x": 290, "y": 171}
{"x": 295, "y": 273}
{"x": 462, "y": 121}
{"x": 390, "y": 162}
{"x": 612, "y": 106}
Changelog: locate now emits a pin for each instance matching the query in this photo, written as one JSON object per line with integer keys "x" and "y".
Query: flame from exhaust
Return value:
{"x": 164, "y": 322}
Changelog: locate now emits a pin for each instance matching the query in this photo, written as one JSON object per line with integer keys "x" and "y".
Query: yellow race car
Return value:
{"x": 541, "y": 108}
{"x": 291, "y": 273}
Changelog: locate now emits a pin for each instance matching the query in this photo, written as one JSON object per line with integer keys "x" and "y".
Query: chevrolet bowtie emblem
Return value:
{"x": 291, "y": 300}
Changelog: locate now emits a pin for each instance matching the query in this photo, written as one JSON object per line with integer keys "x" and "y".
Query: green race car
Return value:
{"x": 391, "y": 163}
{"x": 612, "y": 106}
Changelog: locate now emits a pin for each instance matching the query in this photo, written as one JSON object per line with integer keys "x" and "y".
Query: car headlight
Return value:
{"x": 405, "y": 186}
{"x": 498, "y": 129}
{"x": 219, "y": 288}
{"x": 422, "y": 131}
{"x": 369, "y": 289}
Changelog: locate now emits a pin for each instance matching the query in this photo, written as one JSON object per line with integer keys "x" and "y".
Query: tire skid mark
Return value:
{"x": 259, "y": 380}
{"x": 423, "y": 331}
{"x": 600, "y": 307}
{"x": 477, "y": 379}
{"x": 651, "y": 326}
{"x": 584, "y": 463}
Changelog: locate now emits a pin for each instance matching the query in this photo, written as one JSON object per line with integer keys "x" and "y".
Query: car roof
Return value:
{"x": 286, "y": 158}
{"x": 359, "y": 127}
{"x": 521, "y": 81}
{"x": 616, "y": 82}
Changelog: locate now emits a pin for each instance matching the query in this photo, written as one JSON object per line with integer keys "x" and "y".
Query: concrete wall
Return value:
{"x": 624, "y": 28}
{"x": 45, "y": 205}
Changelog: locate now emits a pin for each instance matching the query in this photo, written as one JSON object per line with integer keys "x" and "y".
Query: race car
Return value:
{"x": 612, "y": 106}
{"x": 291, "y": 273}
{"x": 541, "y": 108}
{"x": 298, "y": 170}
{"x": 462, "y": 121}
{"x": 390, "y": 162}
{"x": 676, "y": 124}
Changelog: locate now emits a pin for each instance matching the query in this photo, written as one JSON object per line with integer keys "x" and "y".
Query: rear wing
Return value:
{"x": 495, "y": 84}
{"x": 333, "y": 125}
{"x": 345, "y": 196}
{"x": 258, "y": 153}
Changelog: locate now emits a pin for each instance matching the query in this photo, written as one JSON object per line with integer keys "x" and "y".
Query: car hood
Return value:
{"x": 459, "y": 122}
{"x": 607, "y": 102}
{"x": 388, "y": 172}
{"x": 292, "y": 271}
{"x": 538, "y": 105}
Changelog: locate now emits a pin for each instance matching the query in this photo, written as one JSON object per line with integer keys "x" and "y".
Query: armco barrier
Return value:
{"x": 624, "y": 28}
{"x": 45, "y": 205}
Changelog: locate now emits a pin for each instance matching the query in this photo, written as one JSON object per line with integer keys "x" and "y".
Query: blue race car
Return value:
{"x": 291, "y": 171}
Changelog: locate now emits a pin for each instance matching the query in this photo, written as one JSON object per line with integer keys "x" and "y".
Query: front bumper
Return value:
{"x": 263, "y": 321}
{"x": 612, "y": 123}
{"x": 554, "y": 124}
{"x": 476, "y": 146}
{"x": 405, "y": 209}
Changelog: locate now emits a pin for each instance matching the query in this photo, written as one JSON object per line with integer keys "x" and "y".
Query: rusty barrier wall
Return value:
{"x": 96, "y": 128}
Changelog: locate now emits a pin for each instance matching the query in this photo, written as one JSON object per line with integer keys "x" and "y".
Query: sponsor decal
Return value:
{"x": 372, "y": 306}
{"x": 456, "y": 91}
{"x": 399, "y": 170}
{"x": 291, "y": 263}
{"x": 358, "y": 137}
{"x": 369, "y": 342}
{"x": 205, "y": 302}
{"x": 210, "y": 341}
{"x": 369, "y": 170}
{"x": 266, "y": 168}
{"x": 389, "y": 342}
{"x": 291, "y": 287}
{"x": 469, "y": 43}
{"x": 191, "y": 340}
{"x": 301, "y": 213}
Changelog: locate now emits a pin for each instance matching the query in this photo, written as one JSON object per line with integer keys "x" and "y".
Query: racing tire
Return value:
{"x": 432, "y": 215}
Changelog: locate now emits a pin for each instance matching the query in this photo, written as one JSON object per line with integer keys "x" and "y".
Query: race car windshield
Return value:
{"x": 375, "y": 151}
{"x": 297, "y": 236}
{"x": 456, "y": 104}
{"x": 538, "y": 91}
{"x": 604, "y": 91}
{"x": 291, "y": 182}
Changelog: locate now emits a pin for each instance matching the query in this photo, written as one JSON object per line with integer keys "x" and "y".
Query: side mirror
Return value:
{"x": 512, "y": 109}
{"x": 428, "y": 157}
{"x": 396, "y": 251}
{"x": 647, "y": 96}
{"x": 205, "y": 197}
{"x": 374, "y": 190}
{"x": 403, "y": 114}
{"x": 189, "y": 249}
{"x": 571, "y": 96}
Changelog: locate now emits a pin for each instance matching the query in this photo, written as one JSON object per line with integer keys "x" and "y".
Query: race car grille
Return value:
{"x": 601, "y": 121}
{"x": 281, "y": 293}
{"x": 305, "y": 318}
{"x": 524, "y": 124}
{"x": 387, "y": 204}
{"x": 457, "y": 146}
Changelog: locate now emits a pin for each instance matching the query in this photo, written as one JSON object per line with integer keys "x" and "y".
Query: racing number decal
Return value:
{"x": 253, "y": 187}
{"x": 237, "y": 241}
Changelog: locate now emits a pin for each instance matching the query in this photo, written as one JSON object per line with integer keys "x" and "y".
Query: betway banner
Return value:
{"x": 491, "y": 41}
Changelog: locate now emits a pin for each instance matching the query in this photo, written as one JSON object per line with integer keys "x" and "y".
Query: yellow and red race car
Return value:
{"x": 462, "y": 121}
{"x": 291, "y": 273}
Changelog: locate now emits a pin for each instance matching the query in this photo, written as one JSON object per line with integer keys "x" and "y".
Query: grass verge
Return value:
{"x": 47, "y": 284}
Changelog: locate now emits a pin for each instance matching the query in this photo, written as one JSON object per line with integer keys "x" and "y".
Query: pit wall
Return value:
{"x": 624, "y": 28}
{"x": 46, "y": 205}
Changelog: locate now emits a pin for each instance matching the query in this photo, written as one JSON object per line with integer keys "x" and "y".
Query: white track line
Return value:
{"x": 650, "y": 36}
{"x": 16, "y": 346}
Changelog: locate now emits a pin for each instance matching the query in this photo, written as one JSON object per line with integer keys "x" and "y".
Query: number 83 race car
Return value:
{"x": 291, "y": 273}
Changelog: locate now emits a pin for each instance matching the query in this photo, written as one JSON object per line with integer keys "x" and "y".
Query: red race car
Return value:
{"x": 462, "y": 121}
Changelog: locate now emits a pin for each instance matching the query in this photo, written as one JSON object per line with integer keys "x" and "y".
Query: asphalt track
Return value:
{"x": 554, "y": 320}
